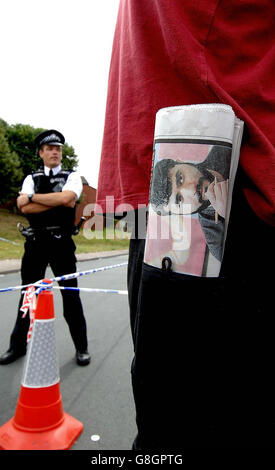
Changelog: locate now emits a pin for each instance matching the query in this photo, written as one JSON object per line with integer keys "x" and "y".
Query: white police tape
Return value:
{"x": 83, "y": 273}
{"x": 87, "y": 289}
{"x": 84, "y": 289}
{"x": 40, "y": 286}
{"x": 10, "y": 289}
{"x": 8, "y": 241}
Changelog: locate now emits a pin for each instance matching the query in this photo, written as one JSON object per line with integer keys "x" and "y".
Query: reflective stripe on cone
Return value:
{"x": 39, "y": 422}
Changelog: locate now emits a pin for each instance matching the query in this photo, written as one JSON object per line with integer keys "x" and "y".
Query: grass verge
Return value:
{"x": 13, "y": 247}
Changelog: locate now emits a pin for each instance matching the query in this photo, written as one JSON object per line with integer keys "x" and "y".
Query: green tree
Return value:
{"x": 21, "y": 140}
{"x": 4, "y": 126}
{"x": 10, "y": 172}
{"x": 19, "y": 157}
{"x": 69, "y": 159}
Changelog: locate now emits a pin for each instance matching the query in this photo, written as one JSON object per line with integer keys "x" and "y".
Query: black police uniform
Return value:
{"x": 49, "y": 241}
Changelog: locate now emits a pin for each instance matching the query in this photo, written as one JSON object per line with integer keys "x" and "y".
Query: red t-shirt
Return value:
{"x": 174, "y": 52}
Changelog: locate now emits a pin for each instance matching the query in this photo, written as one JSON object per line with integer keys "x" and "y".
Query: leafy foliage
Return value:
{"x": 69, "y": 160}
{"x": 19, "y": 157}
{"x": 21, "y": 140}
{"x": 10, "y": 171}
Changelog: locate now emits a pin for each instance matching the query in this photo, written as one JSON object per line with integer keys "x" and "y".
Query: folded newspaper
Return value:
{"x": 196, "y": 155}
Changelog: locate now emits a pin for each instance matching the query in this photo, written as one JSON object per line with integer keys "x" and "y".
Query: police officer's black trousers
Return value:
{"x": 59, "y": 254}
{"x": 203, "y": 367}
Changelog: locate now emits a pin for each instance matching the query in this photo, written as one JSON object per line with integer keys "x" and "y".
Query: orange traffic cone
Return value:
{"x": 39, "y": 422}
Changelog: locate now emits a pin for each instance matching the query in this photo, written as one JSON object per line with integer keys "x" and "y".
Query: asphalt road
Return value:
{"x": 100, "y": 394}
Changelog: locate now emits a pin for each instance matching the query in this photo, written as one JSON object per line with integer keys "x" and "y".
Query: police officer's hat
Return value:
{"x": 51, "y": 137}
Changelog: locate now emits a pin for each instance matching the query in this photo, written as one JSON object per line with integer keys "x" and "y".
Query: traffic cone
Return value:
{"x": 39, "y": 422}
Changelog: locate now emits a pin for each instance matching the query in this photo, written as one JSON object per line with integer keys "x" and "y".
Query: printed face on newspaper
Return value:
{"x": 188, "y": 204}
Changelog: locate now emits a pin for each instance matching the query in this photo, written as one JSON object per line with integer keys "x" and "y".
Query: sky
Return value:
{"x": 55, "y": 58}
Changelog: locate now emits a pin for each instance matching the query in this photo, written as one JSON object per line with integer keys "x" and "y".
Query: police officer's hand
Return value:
{"x": 70, "y": 203}
{"x": 22, "y": 200}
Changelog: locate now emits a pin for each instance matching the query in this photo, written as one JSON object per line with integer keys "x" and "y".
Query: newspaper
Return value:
{"x": 195, "y": 159}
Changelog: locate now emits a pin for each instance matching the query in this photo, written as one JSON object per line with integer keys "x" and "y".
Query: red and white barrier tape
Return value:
{"x": 29, "y": 304}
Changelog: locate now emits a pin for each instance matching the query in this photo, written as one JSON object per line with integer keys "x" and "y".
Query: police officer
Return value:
{"x": 48, "y": 199}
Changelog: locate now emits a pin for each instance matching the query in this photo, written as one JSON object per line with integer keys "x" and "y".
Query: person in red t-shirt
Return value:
{"x": 202, "y": 369}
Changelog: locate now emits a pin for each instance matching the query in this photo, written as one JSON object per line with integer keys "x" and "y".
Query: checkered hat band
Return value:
{"x": 52, "y": 138}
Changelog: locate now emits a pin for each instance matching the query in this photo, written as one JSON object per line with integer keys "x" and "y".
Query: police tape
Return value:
{"x": 84, "y": 289}
{"x": 29, "y": 305}
{"x": 87, "y": 289}
{"x": 39, "y": 284}
{"x": 10, "y": 289}
{"x": 65, "y": 277}
{"x": 8, "y": 241}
